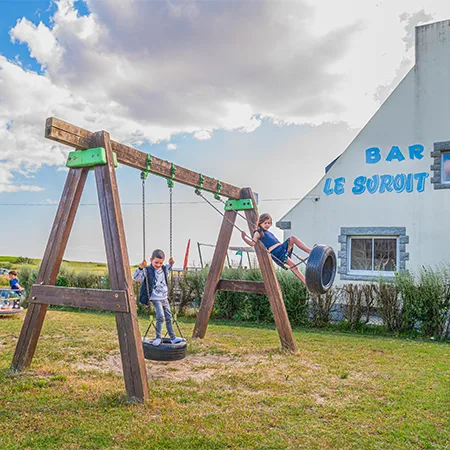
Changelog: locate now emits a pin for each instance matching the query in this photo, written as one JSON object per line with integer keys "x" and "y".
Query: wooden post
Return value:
{"x": 133, "y": 363}
{"x": 270, "y": 279}
{"x": 51, "y": 263}
{"x": 215, "y": 271}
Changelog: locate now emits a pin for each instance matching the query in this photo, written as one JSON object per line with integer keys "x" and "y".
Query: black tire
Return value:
{"x": 166, "y": 351}
{"x": 320, "y": 269}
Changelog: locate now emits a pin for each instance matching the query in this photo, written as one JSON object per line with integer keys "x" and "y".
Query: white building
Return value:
{"x": 384, "y": 204}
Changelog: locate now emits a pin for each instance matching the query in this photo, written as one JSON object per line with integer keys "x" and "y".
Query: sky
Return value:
{"x": 255, "y": 93}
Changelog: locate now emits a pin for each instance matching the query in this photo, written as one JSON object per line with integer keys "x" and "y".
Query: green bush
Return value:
{"x": 409, "y": 296}
{"x": 389, "y": 305}
{"x": 352, "y": 304}
{"x": 191, "y": 285}
{"x": 434, "y": 305}
{"x": 23, "y": 260}
{"x": 6, "y": 265}
{"x": 322, "y": 306}
{"x": 27, "y": 277}
{"x": 227, "y": 304}
{"x": 295, "y": 295}
{"x": 256, "y": 307}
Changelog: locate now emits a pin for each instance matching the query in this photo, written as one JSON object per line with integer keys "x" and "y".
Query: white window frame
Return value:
{"x": 373, "y": 272}
{"x": 442, "y": 167}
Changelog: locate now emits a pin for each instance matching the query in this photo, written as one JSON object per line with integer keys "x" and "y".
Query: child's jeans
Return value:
{"x": 162, "y": 309}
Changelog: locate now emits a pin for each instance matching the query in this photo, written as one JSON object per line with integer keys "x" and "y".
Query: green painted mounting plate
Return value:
{"x": 239, "y": 205}
{"x": 88, "y": 158}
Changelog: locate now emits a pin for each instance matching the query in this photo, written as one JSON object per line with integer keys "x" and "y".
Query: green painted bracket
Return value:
{"x": 88, "y": 158}
{"x": 148, "y": 166}
{"x": 173, "y": 171}
{"x": 219, "y": 188}
{"x": 239, "y": 205}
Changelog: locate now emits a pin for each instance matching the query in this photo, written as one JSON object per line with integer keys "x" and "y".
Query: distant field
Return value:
{"x": 78, "y": 266}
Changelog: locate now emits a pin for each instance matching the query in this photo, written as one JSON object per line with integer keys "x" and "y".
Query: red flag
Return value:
{"x": 186, "y": 256}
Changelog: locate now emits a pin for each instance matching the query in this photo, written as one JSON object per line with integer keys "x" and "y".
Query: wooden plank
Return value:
{"x": 133, "y": 364}
{"x": 270, "y": 280}
{"x": 215, "y": 271}
{"x": 102, "y": 299}
{"x": 50, "y": 265}
{"x": 68, "y": 134}
{"x": 252, "y": 287}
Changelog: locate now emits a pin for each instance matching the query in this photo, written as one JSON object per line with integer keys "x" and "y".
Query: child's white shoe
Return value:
{"x": 177, "y": 340}
{"x": 156, "y": 342}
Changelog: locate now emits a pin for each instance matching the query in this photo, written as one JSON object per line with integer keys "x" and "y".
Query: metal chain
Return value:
{"x": 170, "y": 221}
{"x": 143, "y": 218}
{"x": 143, "y": 251}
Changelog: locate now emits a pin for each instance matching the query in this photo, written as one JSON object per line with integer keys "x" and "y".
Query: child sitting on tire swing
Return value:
{"x": 280, "y": 252}
{"x": 154, "y": 279}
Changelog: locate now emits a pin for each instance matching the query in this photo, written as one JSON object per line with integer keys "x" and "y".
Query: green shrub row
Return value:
{"x": 408, "y": 303}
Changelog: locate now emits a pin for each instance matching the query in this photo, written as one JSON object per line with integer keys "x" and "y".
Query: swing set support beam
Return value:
{"x": 81, "y": 139}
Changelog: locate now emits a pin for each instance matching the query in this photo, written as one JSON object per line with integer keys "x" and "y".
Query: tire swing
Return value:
{"x": 320, "y": 269}
{"x": 166, "y": 351}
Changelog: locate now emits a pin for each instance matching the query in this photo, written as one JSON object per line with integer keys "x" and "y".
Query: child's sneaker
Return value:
{"x": 16, "y": 305}
{"x": 177, "y": 340}
{"x": 5, "y": 304}
{"x": 156, "y": 342}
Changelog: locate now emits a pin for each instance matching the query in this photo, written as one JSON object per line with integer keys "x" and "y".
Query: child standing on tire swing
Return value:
{"x": 154, "y": 279}
{"x": 280, "y": 252}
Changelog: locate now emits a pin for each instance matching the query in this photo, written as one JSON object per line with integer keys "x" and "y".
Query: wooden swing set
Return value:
{"x": 120, "y": 298}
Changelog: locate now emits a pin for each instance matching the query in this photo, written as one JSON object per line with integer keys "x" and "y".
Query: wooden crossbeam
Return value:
{"x": 102, "y": 299}
{"x": 252, "y": 287}
{"x": 81, "y": 139}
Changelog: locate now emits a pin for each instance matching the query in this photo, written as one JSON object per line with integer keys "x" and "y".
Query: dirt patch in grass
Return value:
{"x": 193, "y": 367}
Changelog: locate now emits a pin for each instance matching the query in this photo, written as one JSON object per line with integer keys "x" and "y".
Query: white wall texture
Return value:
{"x": 417, "y": 112}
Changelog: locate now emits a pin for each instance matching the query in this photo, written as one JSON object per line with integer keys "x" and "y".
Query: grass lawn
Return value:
{"x": 235, "y": 390}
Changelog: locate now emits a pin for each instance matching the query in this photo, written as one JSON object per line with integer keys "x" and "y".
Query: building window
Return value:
{"x": 372, "y": 254}
{"x": 367, "y": 253}
{"x": 445, "y": 162}
{"x": 441, "y": 165}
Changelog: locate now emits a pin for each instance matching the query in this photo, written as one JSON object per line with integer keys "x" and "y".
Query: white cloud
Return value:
{"x": 203, "y": 135}
{"x": 147, "y": 70}
{"x": 410, "y": 21}
{"x": 171, "y": 146}
{"x": 42, "y": 43}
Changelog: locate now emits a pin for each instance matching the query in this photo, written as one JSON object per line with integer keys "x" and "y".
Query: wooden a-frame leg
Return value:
{"x": 134, "y": 370}
{"x": 215, "y": 272}
{"x": 50, "y": 265}
{"x": 271, "y": 283}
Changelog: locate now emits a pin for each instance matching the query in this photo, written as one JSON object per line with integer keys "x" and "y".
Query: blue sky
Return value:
{"x": 248, "y": 103}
